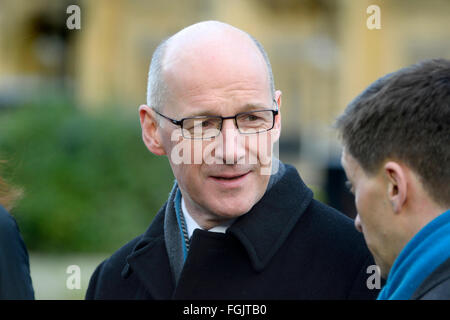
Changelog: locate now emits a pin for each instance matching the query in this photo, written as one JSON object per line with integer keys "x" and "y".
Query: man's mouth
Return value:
{"x": 230, "y": 176}
{"x": 231, "y": 180}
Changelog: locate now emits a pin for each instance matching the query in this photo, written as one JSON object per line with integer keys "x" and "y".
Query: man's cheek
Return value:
{"x": 180, "y": 150}
{"x": 263, "y": 148}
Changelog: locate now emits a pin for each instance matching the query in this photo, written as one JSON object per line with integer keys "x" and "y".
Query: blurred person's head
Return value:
{"x": 216, "y": 70}
{"x": 8, "y": 194}
{"x": 396, "y": 138}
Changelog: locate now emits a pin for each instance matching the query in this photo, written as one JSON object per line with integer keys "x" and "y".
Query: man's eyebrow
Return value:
{"x": 256, "y": 106}
{"x": 202, "y": 113}
{"x": 244, "y": 108}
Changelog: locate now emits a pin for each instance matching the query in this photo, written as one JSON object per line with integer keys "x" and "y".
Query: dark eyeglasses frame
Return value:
{"x": 180, "y": 122}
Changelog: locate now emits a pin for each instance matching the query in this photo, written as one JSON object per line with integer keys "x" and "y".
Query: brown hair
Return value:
{"x": 8, "y": 194}
{"x": 404, "y": 115}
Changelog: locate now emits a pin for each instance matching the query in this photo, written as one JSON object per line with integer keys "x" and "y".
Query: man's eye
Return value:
{"x": 251, "y": 117}
{"x": 206, "y": 123}
{"x": 200, "y": 124}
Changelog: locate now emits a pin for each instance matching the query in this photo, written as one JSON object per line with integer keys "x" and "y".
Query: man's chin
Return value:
{"x": 231, "y": 213}
{"x": 230, "y": 209}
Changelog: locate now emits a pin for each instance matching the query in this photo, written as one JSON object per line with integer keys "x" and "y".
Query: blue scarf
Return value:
{"x": 429, "y": 248}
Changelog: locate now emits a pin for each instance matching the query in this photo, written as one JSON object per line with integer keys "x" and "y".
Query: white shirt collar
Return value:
{"x": 191, "y": 224}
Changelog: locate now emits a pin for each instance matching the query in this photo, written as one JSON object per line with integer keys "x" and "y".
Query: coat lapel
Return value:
{"x": 266, "y": 226}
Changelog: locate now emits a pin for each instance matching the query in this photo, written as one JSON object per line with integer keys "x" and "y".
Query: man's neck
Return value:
{"x": 194, "y": 222}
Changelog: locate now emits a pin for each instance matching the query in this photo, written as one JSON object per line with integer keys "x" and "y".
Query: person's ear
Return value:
{"x": 277, "y": 124}
{"x": 150, "y": 131}
{"x": 397, "y": 186}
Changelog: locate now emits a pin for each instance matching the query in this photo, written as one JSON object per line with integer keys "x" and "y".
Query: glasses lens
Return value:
{"x": 201, "y": 127}
{"x": 254, "y": 122}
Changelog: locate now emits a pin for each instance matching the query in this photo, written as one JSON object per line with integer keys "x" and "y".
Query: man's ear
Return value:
{"x": 397, "y": 185}
{"x": 150, "y": 131}
{"x": 277, "y": 125}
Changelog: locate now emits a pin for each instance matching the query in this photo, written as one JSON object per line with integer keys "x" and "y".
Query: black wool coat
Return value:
{"x": 436, "y": 286}
{"x": 15, "y": 279}
{"x": 288, "y": 246}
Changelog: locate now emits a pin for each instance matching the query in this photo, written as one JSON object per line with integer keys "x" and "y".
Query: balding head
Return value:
{"x": 209, "y": 46}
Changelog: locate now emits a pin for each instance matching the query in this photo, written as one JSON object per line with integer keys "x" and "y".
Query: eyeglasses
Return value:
{"x": 207, "y": 127}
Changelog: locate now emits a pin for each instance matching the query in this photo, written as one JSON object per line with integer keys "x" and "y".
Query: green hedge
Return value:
{"x": 90, "y": 184}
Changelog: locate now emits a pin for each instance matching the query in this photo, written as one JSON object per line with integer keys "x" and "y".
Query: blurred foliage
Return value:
{"x": 90, "y": 184}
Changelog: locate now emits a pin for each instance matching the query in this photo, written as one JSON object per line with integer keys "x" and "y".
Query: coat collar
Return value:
{"x": 261, "y": 231}
{"x": 266, "y": 226}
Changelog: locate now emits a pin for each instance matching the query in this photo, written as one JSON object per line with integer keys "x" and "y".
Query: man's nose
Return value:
{"x": 358, "y": 225}
{"x": 232, "y": 147}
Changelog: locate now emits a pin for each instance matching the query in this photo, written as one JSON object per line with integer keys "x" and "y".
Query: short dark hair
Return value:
{"x": 404, "y": 115}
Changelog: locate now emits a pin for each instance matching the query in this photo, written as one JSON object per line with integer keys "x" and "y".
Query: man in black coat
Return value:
{"x": 238, "y": 224}
{"x": 15, "y": 280}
